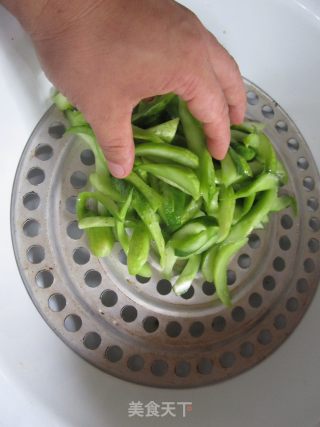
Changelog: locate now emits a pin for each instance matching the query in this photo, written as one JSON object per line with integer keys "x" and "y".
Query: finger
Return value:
{"x": 114, "y": 134}
{"x": 228, "y": 74}
{"x": 207, "y": 103}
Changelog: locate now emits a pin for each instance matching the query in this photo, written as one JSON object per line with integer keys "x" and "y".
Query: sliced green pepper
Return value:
{"x": 185, "y": 279}
{"x": 208, "y": 260}
{"x": 139, "y": 247}
{"x": 168, "y": 152}
{"x": 180, "y": 177}
{"x": 227, "y": 203}
{"x": 264, "y": 182}
{"x": 149, "y": 193}
{"x": 61, "y": 102}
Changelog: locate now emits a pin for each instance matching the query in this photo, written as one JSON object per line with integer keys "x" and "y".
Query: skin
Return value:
{"x": 107, "y": 55}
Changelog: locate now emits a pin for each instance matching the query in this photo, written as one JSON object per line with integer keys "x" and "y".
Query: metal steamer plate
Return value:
{"x": 138, "y": 329}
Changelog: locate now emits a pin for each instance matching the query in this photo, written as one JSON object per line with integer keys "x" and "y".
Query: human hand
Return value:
{"x": 106, "y": 56}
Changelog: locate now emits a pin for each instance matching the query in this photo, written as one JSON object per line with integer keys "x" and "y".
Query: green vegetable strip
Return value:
{"x": 185, "y": 279}
{"x": 61, "y": 102}
{"x": 104, "y": 186}
{"x": 229, "y": 173}
{"x": 166, "y": 131}
{"x": 168, "y": 152}
{"x": 108, "y": 204}
{"x": 100, "y": 240}
{"x": 151, "y": 221}
{"x": 75, "y": 118}
{"x": 180, "y": 177}
{"x": 262, "y": 183}
{"x": 220, "y": 265}
{"x": 226, "y": 208}
{"x": 249, "y": 127}
{"x": 260, "y": 209}
{"x": 241, "y": 164}
{"x": 96, "y": 221}
{"x": 169, "y": 261}
{"x": 149, "y": 193}
{"x": 139, "y": 246}
{"x": 120, "y": 224}
{"x": 145, "y": 135}
{"x": 88, "y": 136}
{"x": 208, "y": 260}
{"x": 152, "y": 108}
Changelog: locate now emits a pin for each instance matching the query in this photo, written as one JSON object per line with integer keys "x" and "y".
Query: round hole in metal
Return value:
{"x": 313, "y": 204}
{"x": 31, "y": 201}
{"x": 252, "y": 97}
{"x": 173, "y": 329}
{"x": 227, "y": 359}
{"x": 280, "y": 321}
{"x": 129, "y": 313}
{"x": 164, "y": 287}
{"x": 218, "y": 323}
{"x": 254, "y": 241}
{"x": 281, "y": 126}
{"x": 293, "y": 144}
{"x": 71, "y": 204}
{"x": 122, "y": 257}
{"x": 231, "y": 277}
{"x": 114, "y": 353}
{"x": 44, "y": 279}
{"x": 309, "y": 265}
{"x": 56, "y": 130}
{"x": 81, "y": 256}
{"x": 267, "y": 111}
{"x": 302, "y": 163}
{"x": 92, "y": 278}
{"x": 36, "y": 254}
{"x": 286, "y": 222}
{"x": 238, "y": 314}
{"x": 284, "y": 243}
{"x": 308, "y": 183}
{"x": 189, "y": 294}
{"x": 314, "y": 224}
{"x": 269, "y": 283}
{"x": 92, "y": 340}
{"x": 44, "y": 152}
{"x": 279, "y": 264}
{"x": 78, "y": 180}
{"x": 208, "y": 288}
{"x": 35, "y": 176}
{"x": 57, "y": 302}
{"x": 247, "y": 349}
{"x": 109, "y": 298}
{"x": 150, "y": 324}
{"x": 87, "y": 157}
{"x": 205, "y": 366}
{"x": 313, "y": 245}
{"x": 31, "y": 228}
{"x": 292, "y": 304}
{"x": 302, "y": 285}
{"x": 255, "y": 300}
{"x": 182, "y": 368}
{"x": 73, "y": 231}
{"x": 196, "y": 329}
{"x": 265, "y": 337}
{"x": 72, "y": 323}
{"x": 159, "y": 367}
{"x": 135, "y": 363}
{"x": 142, "y": 279}
{"x": 244, "y": 261}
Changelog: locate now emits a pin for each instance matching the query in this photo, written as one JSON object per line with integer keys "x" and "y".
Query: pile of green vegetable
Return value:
{"x": 191, "y": 212}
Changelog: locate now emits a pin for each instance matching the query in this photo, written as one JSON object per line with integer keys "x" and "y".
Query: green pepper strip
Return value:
{"x": 226, "y": 208}
{"x": 208, "y": 260}
{"x": 61, "y": 102}
{"x": 169, "y": 152}
{"x": 143, "y": 135}
{"x": 169, "y": 261}
{"x": 189, "y": 272}
{"x": 96, "y": 221}
{"x": 120, "y": 224}
{"x": 248, "y": 153}
{"x": 100, "y": 239}
{"x": 264, "y": 182}
{"x": 220, "y": 265}
{"x": 261, "y": 208}
{"x": 104, "y": 186}
{"x": 149, "y": 193}
{"x": 75, "y": 118}
{"x": 196, "y": 142}
{"x": 284, "y": 202}
{"x": 166, "y": 131}
{"x": 88, "y": 136}
{"x": 107, "y": 203}
{"x": 151, "y": 221}
{"x": 180, "y": 177}
{"x": 139, "y": 247}
{"x": 242, "y": 166}
{"x": 229, "y": 173}
{"x": 153, "y": 107}
{"x": 249, "y": 127}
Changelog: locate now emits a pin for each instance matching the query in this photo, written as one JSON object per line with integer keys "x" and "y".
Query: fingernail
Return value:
{"x": 117, "y": 170}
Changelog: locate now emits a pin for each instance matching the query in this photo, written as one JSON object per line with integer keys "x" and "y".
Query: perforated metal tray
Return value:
{"x": 140, "y": 331}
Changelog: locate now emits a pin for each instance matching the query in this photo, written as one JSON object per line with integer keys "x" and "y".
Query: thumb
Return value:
{"x": 115, "y": 138}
